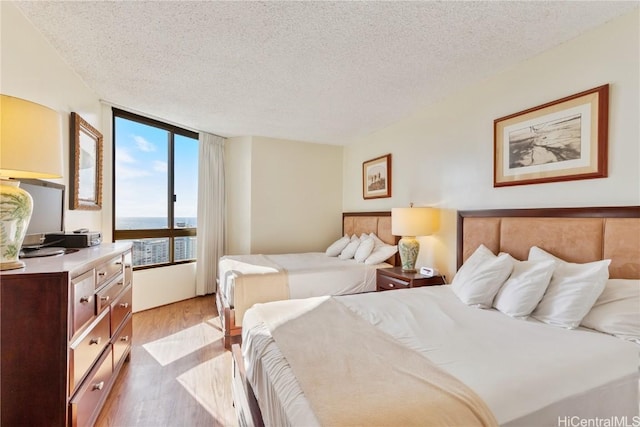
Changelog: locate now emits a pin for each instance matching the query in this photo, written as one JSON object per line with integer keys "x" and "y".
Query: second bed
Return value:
{"x": 245, "y": 280}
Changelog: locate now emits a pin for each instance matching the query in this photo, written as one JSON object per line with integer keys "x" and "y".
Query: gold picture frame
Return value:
{"x": 86, "y": 165}
{"x": 559, "y": 141}
{"x": 376, "y": 177}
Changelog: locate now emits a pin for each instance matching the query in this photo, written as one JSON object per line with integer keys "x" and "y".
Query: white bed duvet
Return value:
{"x": 528, "y": 373}
{"x": 309, "y": 274}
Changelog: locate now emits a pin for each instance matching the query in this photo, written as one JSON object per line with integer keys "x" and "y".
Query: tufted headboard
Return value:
{"x": 573, "y": 234}
{"x": 367, "y": 222}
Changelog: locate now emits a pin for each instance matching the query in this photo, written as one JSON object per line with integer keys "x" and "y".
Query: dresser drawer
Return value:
{"x": 386, "y": 282}
{"x": 84, "y": 407}
{"x": 107, "y": 270}
{"x": 83, "y": 305}
{"x": 122, "y": 342}
{"x": 128, "y": 268}
{"x": 120, "y": 308}
{"x": 109, "y": 293}
{"x": 87, "y": 348}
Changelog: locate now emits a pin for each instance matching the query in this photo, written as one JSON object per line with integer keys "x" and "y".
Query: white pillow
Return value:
{"x": 573, "y": 290}
{"x": 525, "y": 287}
{"x": 377, "y": 240}
{"x": 350, "y": 250}
{"x": 365, "y": 249}
{"x": 479, "y": 279}
{"x": 617, "y": 310}
{"x": 381, "y": 254}
{"x": 336, "y": 247}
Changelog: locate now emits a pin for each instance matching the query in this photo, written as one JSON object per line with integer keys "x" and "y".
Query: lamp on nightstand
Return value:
{"x": 409, "y": 223}
{"x": 30, "y": 147}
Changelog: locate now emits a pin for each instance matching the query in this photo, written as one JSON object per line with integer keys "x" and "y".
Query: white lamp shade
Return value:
{"x": 30, "y": 143}
{"x": 413, "y": 221}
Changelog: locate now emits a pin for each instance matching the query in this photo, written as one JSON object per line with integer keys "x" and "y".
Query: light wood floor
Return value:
{"x": 179, "y": 373}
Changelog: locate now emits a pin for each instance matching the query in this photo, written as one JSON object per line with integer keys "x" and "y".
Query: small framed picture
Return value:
{"x": 376, "y": 177}
{"x": 559, "y": 141}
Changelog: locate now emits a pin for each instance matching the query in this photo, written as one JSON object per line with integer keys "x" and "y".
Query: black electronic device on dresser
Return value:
{"x": 81, "y": 239}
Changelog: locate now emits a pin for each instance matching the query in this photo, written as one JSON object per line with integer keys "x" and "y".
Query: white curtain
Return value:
{"x": 211, "y": 212}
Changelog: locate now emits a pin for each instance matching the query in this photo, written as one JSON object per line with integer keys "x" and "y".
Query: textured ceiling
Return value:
{"x": 310, "y": 71}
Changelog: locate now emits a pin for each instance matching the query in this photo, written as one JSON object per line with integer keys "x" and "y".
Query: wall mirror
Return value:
{"x": 86, "y": 165}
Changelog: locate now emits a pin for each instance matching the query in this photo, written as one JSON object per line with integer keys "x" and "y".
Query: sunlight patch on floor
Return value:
{"x": 201, "y": 381}
{"x": 215, "y": 322}
{"x": 173, "y": 347}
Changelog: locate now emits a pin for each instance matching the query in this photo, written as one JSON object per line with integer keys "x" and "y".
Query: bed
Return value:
{"x": 244, "y": 280}
{"x": 524, "y": 372}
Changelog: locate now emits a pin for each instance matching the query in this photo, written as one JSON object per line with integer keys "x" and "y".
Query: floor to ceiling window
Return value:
{"x": 155, "y": 189}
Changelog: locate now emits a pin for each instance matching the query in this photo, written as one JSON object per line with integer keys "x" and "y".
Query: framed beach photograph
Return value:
{"x": 86, "y": 165}
{"x": 376, "y": 177}
{"x": 559, "y": 141}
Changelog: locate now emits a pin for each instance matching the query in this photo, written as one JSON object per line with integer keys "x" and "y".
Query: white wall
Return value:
{"x": 443, "y": 155}
{"x": 154, "y": 287}
{"x": 237, "y": 152}
{"x": 31, "y": 69}
{"x": 296, "y": 196}
{"x": 291, "y": 192}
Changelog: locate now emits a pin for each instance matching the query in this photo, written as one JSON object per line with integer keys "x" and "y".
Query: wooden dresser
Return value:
{"x": 65, "y": 332}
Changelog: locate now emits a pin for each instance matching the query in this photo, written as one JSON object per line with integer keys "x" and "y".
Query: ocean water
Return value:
{"x": 147, "y": 223}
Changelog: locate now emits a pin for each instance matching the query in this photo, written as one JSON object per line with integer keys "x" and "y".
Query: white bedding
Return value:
{"x": 517, "y": 367}
{"x": 311, "y": 274}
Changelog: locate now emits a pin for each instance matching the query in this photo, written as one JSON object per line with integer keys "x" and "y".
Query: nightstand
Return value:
{"x": 394, "y": 278}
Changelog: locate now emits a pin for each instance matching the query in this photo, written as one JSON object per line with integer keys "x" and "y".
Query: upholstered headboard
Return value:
{"x": 367, "y": 222}
{"x": 573, "y": 234}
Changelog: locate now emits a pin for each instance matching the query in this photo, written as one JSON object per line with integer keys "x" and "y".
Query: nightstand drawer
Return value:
{"x": 395, "y": 278}
{"x": 386, "y": 282}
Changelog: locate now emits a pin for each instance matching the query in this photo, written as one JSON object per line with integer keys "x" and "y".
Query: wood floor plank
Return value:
{"x": 179, "y": 373}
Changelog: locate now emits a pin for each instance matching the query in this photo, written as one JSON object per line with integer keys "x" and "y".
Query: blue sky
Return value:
{"x": 142, "y": 168}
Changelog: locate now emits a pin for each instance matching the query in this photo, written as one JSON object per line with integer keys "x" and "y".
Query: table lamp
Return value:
{"x": 409, "y": 223}
{"x": 30, "y": 147}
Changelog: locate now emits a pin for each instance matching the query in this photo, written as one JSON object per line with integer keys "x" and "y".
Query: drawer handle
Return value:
{"x": 120, "y": 283}
{"x": 102, "y": 273}
{"x": 98, "y": 386}
{"x": 118, "y": 262}
{"x": 124, "y": 305}
{"x": 95, "y": 341}
{"x": 86, "y": 299}
{"x": 104, "y": 298}
{"x": 124, "y": 338}
{"x": 391, "y": 285}
{"x": 127, "y": 266}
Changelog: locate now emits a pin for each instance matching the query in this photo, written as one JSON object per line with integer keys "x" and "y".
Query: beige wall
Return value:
{"x": 31, "y": 69}
{"x": 238, "y": 194}
{"x": 154, "y": 287}
{"x": 443, "y": 155}
{"x": 294, "y": 189}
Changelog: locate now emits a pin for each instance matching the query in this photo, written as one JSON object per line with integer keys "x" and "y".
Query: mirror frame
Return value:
{"x": 82, "y": 133}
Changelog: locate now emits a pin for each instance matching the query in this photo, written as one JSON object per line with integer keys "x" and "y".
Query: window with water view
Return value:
{"x": 156, "y": 187}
